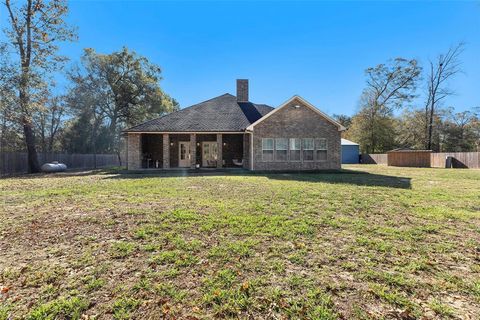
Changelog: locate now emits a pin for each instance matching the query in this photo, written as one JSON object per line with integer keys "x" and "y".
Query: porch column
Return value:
{"x": 193, "y": 150}
{"x": 166, "y": 151}
{"x": 219, "y": 150}
{"x": 134, "y": 151}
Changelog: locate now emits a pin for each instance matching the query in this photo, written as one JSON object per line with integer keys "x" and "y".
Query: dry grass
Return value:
{"x": 393, "y": 243}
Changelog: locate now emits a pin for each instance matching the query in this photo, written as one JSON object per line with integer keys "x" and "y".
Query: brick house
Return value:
{"x": 229, "y": 132}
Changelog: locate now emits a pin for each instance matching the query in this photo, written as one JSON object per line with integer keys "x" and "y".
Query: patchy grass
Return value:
{"x": 385, "y": 243}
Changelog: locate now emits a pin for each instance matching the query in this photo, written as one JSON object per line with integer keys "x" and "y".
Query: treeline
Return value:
{"x": 105, "y": 92}
{"x": 390, "y": 115}
{"x": 109, "y": 92}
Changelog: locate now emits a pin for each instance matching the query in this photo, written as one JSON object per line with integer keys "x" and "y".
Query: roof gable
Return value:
{"x": 303, "y": 102}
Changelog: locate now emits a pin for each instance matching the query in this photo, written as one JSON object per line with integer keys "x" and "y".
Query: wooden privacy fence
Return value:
{"x": 459, "y": 159}
{"x": 409, "y": 158}
{"x": 424, "y": 158}
{"x": 16, "y": 162}
{"x": 374, "y": 158}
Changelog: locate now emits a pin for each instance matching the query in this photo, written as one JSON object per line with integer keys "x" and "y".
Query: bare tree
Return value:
{"x": 35, "y": 28}
{"x": 441, "y": 71}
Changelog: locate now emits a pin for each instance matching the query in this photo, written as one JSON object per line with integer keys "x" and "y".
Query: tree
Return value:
{"x": 126, "y": 88}
{"x": 409, "y": 129}
{"x": 35, "y": 29}
{"x": 343, "y": 119}
{"x": 7, "y": 101}
{"x": 116, "y": 91}
{"x": 49, "y": 122}
{"x": 476, "y": 127}
{"x": 383, "y": 127}
{"x": 445, "y": 67}
{"x": 389, "y": 86}
{"x": 87, "y": 101}
{"x": 458, "y": 131}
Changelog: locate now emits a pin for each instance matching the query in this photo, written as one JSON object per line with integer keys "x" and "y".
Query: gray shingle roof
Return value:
{"x": 222, "y": 113}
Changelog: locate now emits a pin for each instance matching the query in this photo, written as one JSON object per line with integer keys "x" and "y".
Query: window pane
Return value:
{"x": 267, "y": 144}
{"x": 295, "y": 144}
{"x": 295, "y": 155}
{"x": 281, "y": 144}
{"x": 281, "y": 155}
{"x": 308, "y": 155}
{"x": 321, "y": 155}
{"x": 308, "y": 144}
{"x": 267, "y": 155}
{"x": 321, "y": 144}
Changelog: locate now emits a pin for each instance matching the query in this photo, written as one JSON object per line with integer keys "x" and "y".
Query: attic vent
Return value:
{"x": 296, "y": 106}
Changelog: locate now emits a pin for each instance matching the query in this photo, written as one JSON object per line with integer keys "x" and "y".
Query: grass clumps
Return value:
{"x": 60, "y": 308}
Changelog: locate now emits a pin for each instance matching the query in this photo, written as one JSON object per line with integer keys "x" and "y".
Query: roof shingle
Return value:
{"x": 219, "y": 114}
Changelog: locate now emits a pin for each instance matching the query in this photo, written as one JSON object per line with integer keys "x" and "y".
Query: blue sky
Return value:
{"x": 318, "y": 50}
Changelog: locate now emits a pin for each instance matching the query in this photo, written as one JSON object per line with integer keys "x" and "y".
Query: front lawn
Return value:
{"x": 392, "y": 243}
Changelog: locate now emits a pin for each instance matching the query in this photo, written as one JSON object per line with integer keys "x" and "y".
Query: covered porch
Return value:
{"x": 186, "y": 150}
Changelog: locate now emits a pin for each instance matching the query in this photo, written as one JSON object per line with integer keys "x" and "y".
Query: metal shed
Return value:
{"x": 350, "y": 151}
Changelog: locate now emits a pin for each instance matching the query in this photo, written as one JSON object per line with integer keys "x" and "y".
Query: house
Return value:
{"x": 233, "y": 132}
{"x": 350, "y": 152}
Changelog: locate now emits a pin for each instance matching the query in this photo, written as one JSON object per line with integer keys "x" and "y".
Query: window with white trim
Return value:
{"x": 267, "y": 149}
{"x": 281, "y": 149}
{"x": 308, "y": 149}
{"x": 321, "y": 149}
{"x": 295, "y": 149}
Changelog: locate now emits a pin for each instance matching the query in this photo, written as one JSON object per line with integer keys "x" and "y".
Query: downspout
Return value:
{"x": 251, "y": 150}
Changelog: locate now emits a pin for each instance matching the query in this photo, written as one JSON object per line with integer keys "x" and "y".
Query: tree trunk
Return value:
{"x": 119, "y": 158}
{"x": 430, "y": 125}
{"x": 33, "y": 165}
{"x": 2, "y": 145}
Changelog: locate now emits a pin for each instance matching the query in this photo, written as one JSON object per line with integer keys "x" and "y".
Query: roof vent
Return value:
{"x": 242, "y": 90}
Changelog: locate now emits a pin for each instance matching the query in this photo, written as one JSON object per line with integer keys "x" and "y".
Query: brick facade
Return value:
{"x": 166, "y": 150}
{"x": 292, "y": 122}
{"x": 134, "y": 151}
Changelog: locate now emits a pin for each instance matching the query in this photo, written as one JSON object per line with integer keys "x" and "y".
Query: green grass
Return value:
{"x": 375, "y": 243}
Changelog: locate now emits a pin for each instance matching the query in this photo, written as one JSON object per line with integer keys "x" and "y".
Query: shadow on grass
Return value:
{"x": 344, "y": 176}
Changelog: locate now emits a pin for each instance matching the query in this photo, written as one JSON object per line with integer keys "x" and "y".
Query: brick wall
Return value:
{"x": 291, "y": 122}
{"x": 134, "y": 151}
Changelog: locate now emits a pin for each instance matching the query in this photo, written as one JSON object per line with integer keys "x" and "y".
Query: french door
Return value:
{"x": 184, "y": 154}
{"x": 209, "y": 154}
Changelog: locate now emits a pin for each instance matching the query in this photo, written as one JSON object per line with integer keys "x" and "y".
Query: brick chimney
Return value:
{"x": 242, "y": 90}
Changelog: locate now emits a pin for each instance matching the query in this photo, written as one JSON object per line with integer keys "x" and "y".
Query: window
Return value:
{"x": 281, "y": 149}
{"x": 308, "y": 149}
{"x": 267, "y": 149}
{"x": 321, "y": 146}
{"x": 295, "y": 149}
